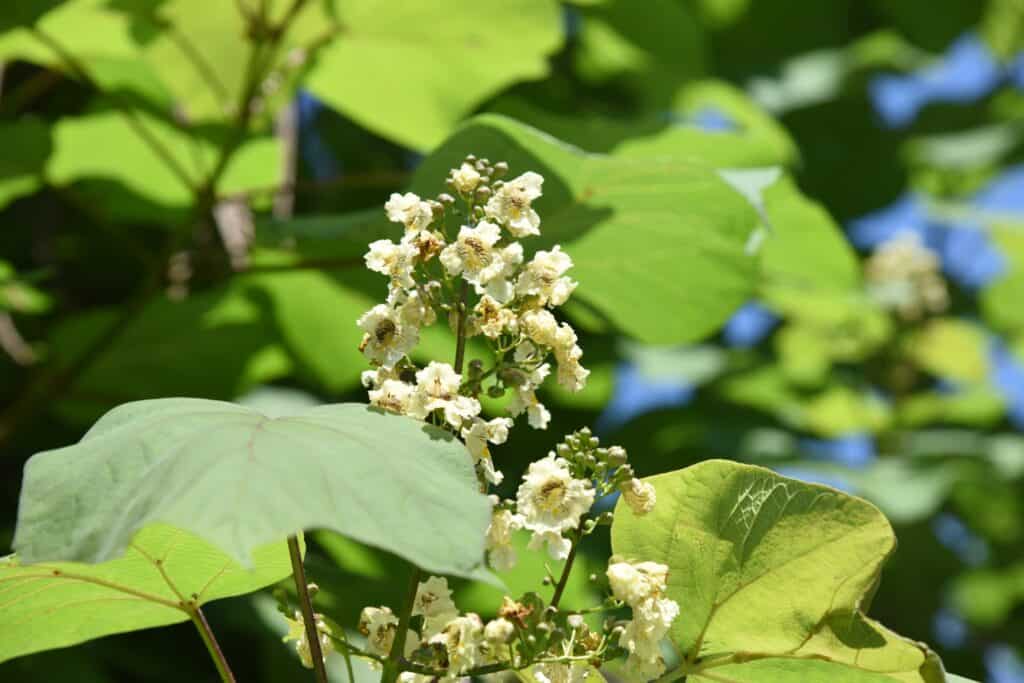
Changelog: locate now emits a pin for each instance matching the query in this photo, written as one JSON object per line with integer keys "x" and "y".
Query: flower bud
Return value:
{"x": 496, "y": 391}
{"x": 617, "y": 456}
{"x": 500, "y": 169}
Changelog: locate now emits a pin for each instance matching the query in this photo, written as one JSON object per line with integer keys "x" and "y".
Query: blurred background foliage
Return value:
{"x": 187, "y": 189}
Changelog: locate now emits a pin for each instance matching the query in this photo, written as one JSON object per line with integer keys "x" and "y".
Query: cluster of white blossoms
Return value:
{"x": 444, "y": 639}
{"x": 482, "y": 284}
{"x": 904, "y": 275}
{"x": 641, "y": 586}
{"x": 558, "y": 491}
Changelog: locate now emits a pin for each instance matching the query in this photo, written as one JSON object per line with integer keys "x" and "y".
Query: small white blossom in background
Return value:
{"x": 500, "y": 552}
{"x": 434, "y": 603}
{"x": 561, "y": 673}
{"x": 297, "y": 632}
{"x": 641, "y": 586}
{"x": 409, "y": 210}
{"x": 551, "y": 502}
{"x": 640, "y": 496}
{"x": 904, "y": 275}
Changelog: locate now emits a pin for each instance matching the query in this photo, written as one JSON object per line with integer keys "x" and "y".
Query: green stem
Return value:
{"x": 212, "y": 646}
{"x": 460, "y": 342}
{"x": 306, "y": 605}
{"x": 395, "y": 661}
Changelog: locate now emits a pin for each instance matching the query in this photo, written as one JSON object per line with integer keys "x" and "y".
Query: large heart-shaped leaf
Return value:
{"x": 164, "y": 573}
{"x": 239, "y": 478}
{"x": 443, "y": 59}
{"x": 772, "y": 575}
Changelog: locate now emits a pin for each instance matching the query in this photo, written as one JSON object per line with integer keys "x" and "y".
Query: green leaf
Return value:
{"x": 644, "y": 235}
{"x": 772, "y": 574}
{"x": 758, "y": 140}
{"x": 215, "y": 344}
{"x": 57, "y": 604}
{"x": 106, "y": 145}
{"x": 952, "y": 349}
{"x": 442, "y": 60}
{"x": 650, "y": 52}
{"x": 238, "y": 479}
{"x": 26, "y": 144}
{"x": 805, "y": 248}
{"x": 999, "y": 300}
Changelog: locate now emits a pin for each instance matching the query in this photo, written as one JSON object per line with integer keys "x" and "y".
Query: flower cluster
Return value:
{"x": 641, "y": 586}
{"x": 905, "y": 276}
{"x": 558, "y": 491}
{"x": 478, "y": 279}
{"x": 441, "y": 639}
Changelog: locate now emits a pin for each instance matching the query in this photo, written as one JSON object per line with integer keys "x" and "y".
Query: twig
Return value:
{"x": 560, "y": 588}
{"x": 79, "y": 70}
{"x": 306, "y": 605}
{"x": 212, "y": 646}
{"x": 393, "y": 665}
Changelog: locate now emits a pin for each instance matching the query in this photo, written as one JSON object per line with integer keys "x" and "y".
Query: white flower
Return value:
{"x": 499, "y": 631}
{"x": 491, "y": 317}
{"x": 437, "y": 388}
{"x": 558, "y": 545}
{"x": 388, "y": 338}
{"x": 434, "y": 603}
{"x": 412, "y": 308}
{"x": 525, "y": 400}
{"x": 642, "y": 636}
{"x": 511, "y": 204}
{"x": 466, "y": 178}
{"x": 552, "y": 501}
{"x": 297, "y": 632}
{"x": 639, "y": 495}
{"x": 372, "y": 379}
{"x": 409, "y": 210}
{"x": 540, "y": 326}
{"x": 543, "y": 277}
{"x": 571, "y": 374}
{"x": 501, "y": 287}
{"x": 397, "y": 261}
{"x": 473, "y": 254}
{"x": 463, "y": 638}
{"x": 379, "y": 625}
{"x": 634, "y": 583}
{"x": 573, "y": 672}
{"x": 393, "y": 395}
{"x": 476, "y": 437}
{"x": 499, "y": 538}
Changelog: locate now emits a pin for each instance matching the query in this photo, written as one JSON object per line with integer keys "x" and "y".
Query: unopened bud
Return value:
{"x": 575, "y": 620}
{"x": 482, "y": 193}
{"x": 496, "y": 391}
{"x": 617, "y": 456}
{"x": 500, "y": 169}
{"x": 445, "y": 198}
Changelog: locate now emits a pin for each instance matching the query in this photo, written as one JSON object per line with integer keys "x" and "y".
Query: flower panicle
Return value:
{"x": 460, "y": 259}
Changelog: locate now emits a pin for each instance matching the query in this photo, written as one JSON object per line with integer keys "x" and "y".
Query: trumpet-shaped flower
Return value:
{"x": 512, "y": 206}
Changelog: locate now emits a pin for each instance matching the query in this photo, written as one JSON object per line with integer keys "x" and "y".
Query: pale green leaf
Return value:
{"x": 952, "y": 349}
{"x": 106, "y": 145}
{"x": 238, "y": 479}
{"x": 771, "y": 573}
{"x": 409, "y": 71}
{"x": 57, "y": 604}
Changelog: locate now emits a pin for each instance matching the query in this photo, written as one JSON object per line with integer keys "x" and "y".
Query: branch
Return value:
{"x": 306, "y": 604}
{"x": 79, "y": 70}
{"x": 212, "y": 646}
{"x": 395, "y": 661}
{"x": 560, "y": 588}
